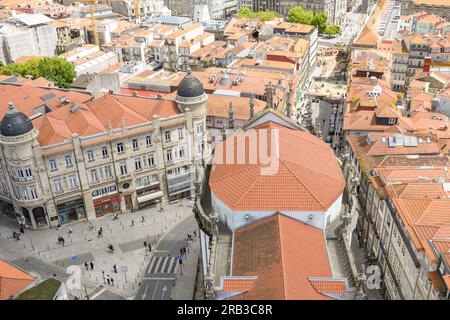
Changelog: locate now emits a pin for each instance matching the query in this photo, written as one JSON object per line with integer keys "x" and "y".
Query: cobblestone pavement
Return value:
{"x": 128, "y": 240}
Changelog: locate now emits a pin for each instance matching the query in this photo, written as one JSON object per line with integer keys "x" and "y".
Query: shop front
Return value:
{"x": 149, "y": 196}
{"x": 69, "y": 211}
{"x": 7, "y": 209}
{"x": 106, "y": 200}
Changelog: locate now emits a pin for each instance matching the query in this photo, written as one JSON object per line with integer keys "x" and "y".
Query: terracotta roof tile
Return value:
{"x": 12, "y": 280}
{"x": 303, "y": 181}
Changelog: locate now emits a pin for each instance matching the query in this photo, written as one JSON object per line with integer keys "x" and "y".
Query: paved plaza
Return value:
{"x": 39, "y": 251}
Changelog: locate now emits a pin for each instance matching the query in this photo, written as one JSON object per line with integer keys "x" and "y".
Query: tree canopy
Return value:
{"x": 299, "y": 15}
{"x": 320, "y": 21}
{"x": 332, "y": 30}
{"x": 55, "y": 69}
{"x": 261, "y": 15}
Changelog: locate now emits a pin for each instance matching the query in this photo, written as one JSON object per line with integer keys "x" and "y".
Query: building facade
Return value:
{"x": 51, "y": 177}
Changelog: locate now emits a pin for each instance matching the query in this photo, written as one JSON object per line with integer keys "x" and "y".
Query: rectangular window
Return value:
{"x": 169, "y": 156}
{"x": 94, "y": 177}
{"x": 105, "y": 152}
{"x": 33, "y": 193}
{"x": 123, "y": 169}
{"x": 199, "y": 128}
{"x": 72, "y": 182}
{"x": 148, "y": 141}
{"x": 58, "y": 186}
{"x": 108, "y": 172}
{"x": 90, "y": 155}
{"x": 181, "y": 152}
{"x": 53, "y": 165}
{"x": 167, "y": 136}
{"x": 180, "y": 133}
{"x": 138, "y": 164}
{"x": 68, "y": 160}
{"x": 151, "y": 160}
{"x": 120, "y": 148}
{"x": 135, "y": 144}
{"x": 28, "y": 172}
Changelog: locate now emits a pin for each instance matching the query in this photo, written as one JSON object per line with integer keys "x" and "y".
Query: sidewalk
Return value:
{"x": 185, "y": 284}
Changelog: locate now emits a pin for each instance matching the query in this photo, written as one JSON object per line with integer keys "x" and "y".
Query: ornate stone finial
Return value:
{"x": 224, "y": 134}
{"x": 361, "y": 278}
{"x": 269, "y": 95}
{"x": 230, "y": 116}
{"x": 288, "y": 104}
{"x": 252, "y": 106}
{"x": 318, "y": 131}
{"x": 11, "y": 108}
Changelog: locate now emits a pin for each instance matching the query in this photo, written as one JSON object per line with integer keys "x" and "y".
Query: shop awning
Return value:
{"x": 149, "y": 196}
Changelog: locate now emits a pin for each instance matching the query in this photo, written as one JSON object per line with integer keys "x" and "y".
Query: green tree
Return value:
{"x": 266, "y": 15}
{"x": 245, "y": 13}
{"x": 298, "y": 15}
{"x": 332, "y": 30}
{"x": 55, "y": 69}
{"x": 320, "y": 21}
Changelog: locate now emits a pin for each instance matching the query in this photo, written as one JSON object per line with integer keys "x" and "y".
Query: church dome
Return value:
{"x": 190, "y": 87}
{"x": 15, "y": 123}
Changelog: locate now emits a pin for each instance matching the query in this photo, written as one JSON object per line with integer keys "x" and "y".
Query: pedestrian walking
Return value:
{"x": 161, "y": 207}
{"x": 184, "y": 251}
{"x": 62, "y": 241}
{"x": 142, "y": 219}
{"x": 108, "y": 278}
{"x": 115, "y": 268}
{"x": 149, "y": 247}
{"x": 100, "y": 232}
{"x": 70, "y": 231}
{"x": 92, "y": 265}
{"x": 86, "y": 266}
{"x": 132, "y": 222}
{"x": 195, "y": 233}
{"x": 112, "y": 281}
{"x": 189, "y": 236}
{"x": 145, "y": 244}
{"x": 21, "y": 230}
{"x": 181, "y": 251}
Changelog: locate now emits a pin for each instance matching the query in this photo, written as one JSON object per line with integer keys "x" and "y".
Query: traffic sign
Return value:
{"x": 74, "y": 258}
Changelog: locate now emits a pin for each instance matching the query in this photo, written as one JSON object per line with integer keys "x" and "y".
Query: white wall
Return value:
{"x": 236, "y": 219}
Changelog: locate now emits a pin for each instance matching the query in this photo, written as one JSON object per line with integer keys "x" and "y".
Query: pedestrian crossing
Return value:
{"x": 162, "y": 265}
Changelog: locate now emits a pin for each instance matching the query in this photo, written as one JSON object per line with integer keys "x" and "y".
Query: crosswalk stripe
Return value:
{"x": 157, "y": 265}
{"x": 151, "y": 265}
{"x": 163, "y": 267}
{"x": 173, "y": 265}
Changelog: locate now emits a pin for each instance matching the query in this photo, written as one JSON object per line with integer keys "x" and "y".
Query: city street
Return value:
{"x": 164, "y": 270}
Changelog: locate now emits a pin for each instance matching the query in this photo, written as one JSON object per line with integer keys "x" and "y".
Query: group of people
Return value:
{"x": 148, "y": 245}
{"x": 86, "y": 265}
{"x": 108, "y": 278}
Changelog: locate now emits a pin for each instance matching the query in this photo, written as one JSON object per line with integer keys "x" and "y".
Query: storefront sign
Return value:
{"x": 104, "y": 191}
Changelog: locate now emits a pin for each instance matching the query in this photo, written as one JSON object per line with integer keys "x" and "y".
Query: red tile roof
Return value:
{"x": 283, "y": 254}
{"x": 302, "y": 181}
{"x": 12, "y": 280}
